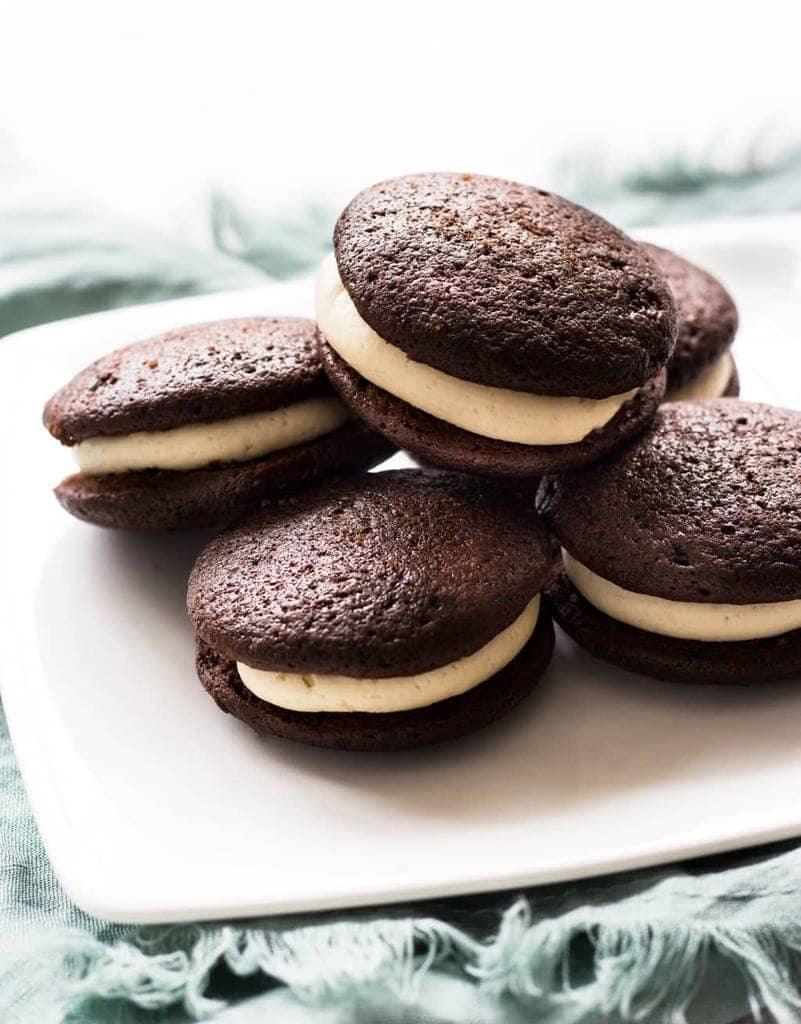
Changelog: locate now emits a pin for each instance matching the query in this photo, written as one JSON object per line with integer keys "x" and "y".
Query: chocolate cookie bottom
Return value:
{"x": 171, "y": 500}
{"x": 740, "y": 663}
{"x": 399, "y": 730}
{"x": 438, "y": 443}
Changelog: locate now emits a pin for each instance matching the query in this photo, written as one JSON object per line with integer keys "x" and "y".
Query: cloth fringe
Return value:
{"x": 326, "y": 963}
{"x": 642, "y": 971}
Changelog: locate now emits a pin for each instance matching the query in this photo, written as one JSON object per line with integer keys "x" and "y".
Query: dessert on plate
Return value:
{"x": 396, "y": 609}
{"x": 682, "y": 551}
{"x": 196, "y": 426}
{"x": 491, "y": 327}
{"x": 701, "y": 365}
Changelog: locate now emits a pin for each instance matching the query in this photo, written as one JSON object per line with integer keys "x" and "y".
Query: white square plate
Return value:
{"x": 155, "y": 806}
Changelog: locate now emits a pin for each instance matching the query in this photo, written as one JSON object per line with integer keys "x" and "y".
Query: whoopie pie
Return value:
{"x": 492, "y": 327}
{"x": 392, "y": 610}
{"x": 701, "y": 365}
{"x": 682, "y": 551}
{"x": 195, "y": 426}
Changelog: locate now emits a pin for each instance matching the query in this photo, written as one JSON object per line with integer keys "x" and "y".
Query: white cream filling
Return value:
{"x": 685, "y": 620}
{"x": 311, "y": 691}
{"x": 497, "y": 413}
{"x": 711, "y": 383}
{"x": 238, "y": 439}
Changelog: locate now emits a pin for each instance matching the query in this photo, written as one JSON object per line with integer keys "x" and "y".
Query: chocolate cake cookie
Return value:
{"x": 196, "y": 426}
{"x": 492, "y": 327}
{"x": 701, "y": 365}
{"x": 682, "y": 551}
{"x": 396, "y": 609}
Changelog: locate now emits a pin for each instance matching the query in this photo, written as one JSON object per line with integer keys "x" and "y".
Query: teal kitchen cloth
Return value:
{"x": 699, "y": 942}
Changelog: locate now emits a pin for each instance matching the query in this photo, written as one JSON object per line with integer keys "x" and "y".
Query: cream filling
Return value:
{"x": 311, "y": 691}
{"x": 685, "y": 620}
{"x": 711, "y": 383}
{"x": 238, "y": 439}
{"x": 497, "y": 413}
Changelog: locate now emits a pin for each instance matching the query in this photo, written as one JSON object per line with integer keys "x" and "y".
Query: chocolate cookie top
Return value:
{"x": 195, "y": 374}
{"x": 704, "y": 506}
{"x": 505, "y": 285}
{"x": 706, "y": 315}
{"x": 389, "y": 574}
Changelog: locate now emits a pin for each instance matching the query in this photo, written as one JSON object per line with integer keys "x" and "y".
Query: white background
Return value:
{"x": 145, "y": 106}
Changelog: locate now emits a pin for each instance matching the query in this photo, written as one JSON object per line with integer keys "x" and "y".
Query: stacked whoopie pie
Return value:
{"x": 196, "y": 426}
{"x": 493, "y": 329}
{"x": 389, "y": 611}
{"x": 682, "y": 551}
{"x": 701, "y": 365}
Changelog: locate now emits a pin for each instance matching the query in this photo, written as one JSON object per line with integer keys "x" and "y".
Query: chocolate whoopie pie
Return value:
{"x": 196, "y": 426}
{"x": 491, "y": 327}
{"x": 682, "y": 551}
{"x": 701, "y": 365}
{"x": 393, "y": 610}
